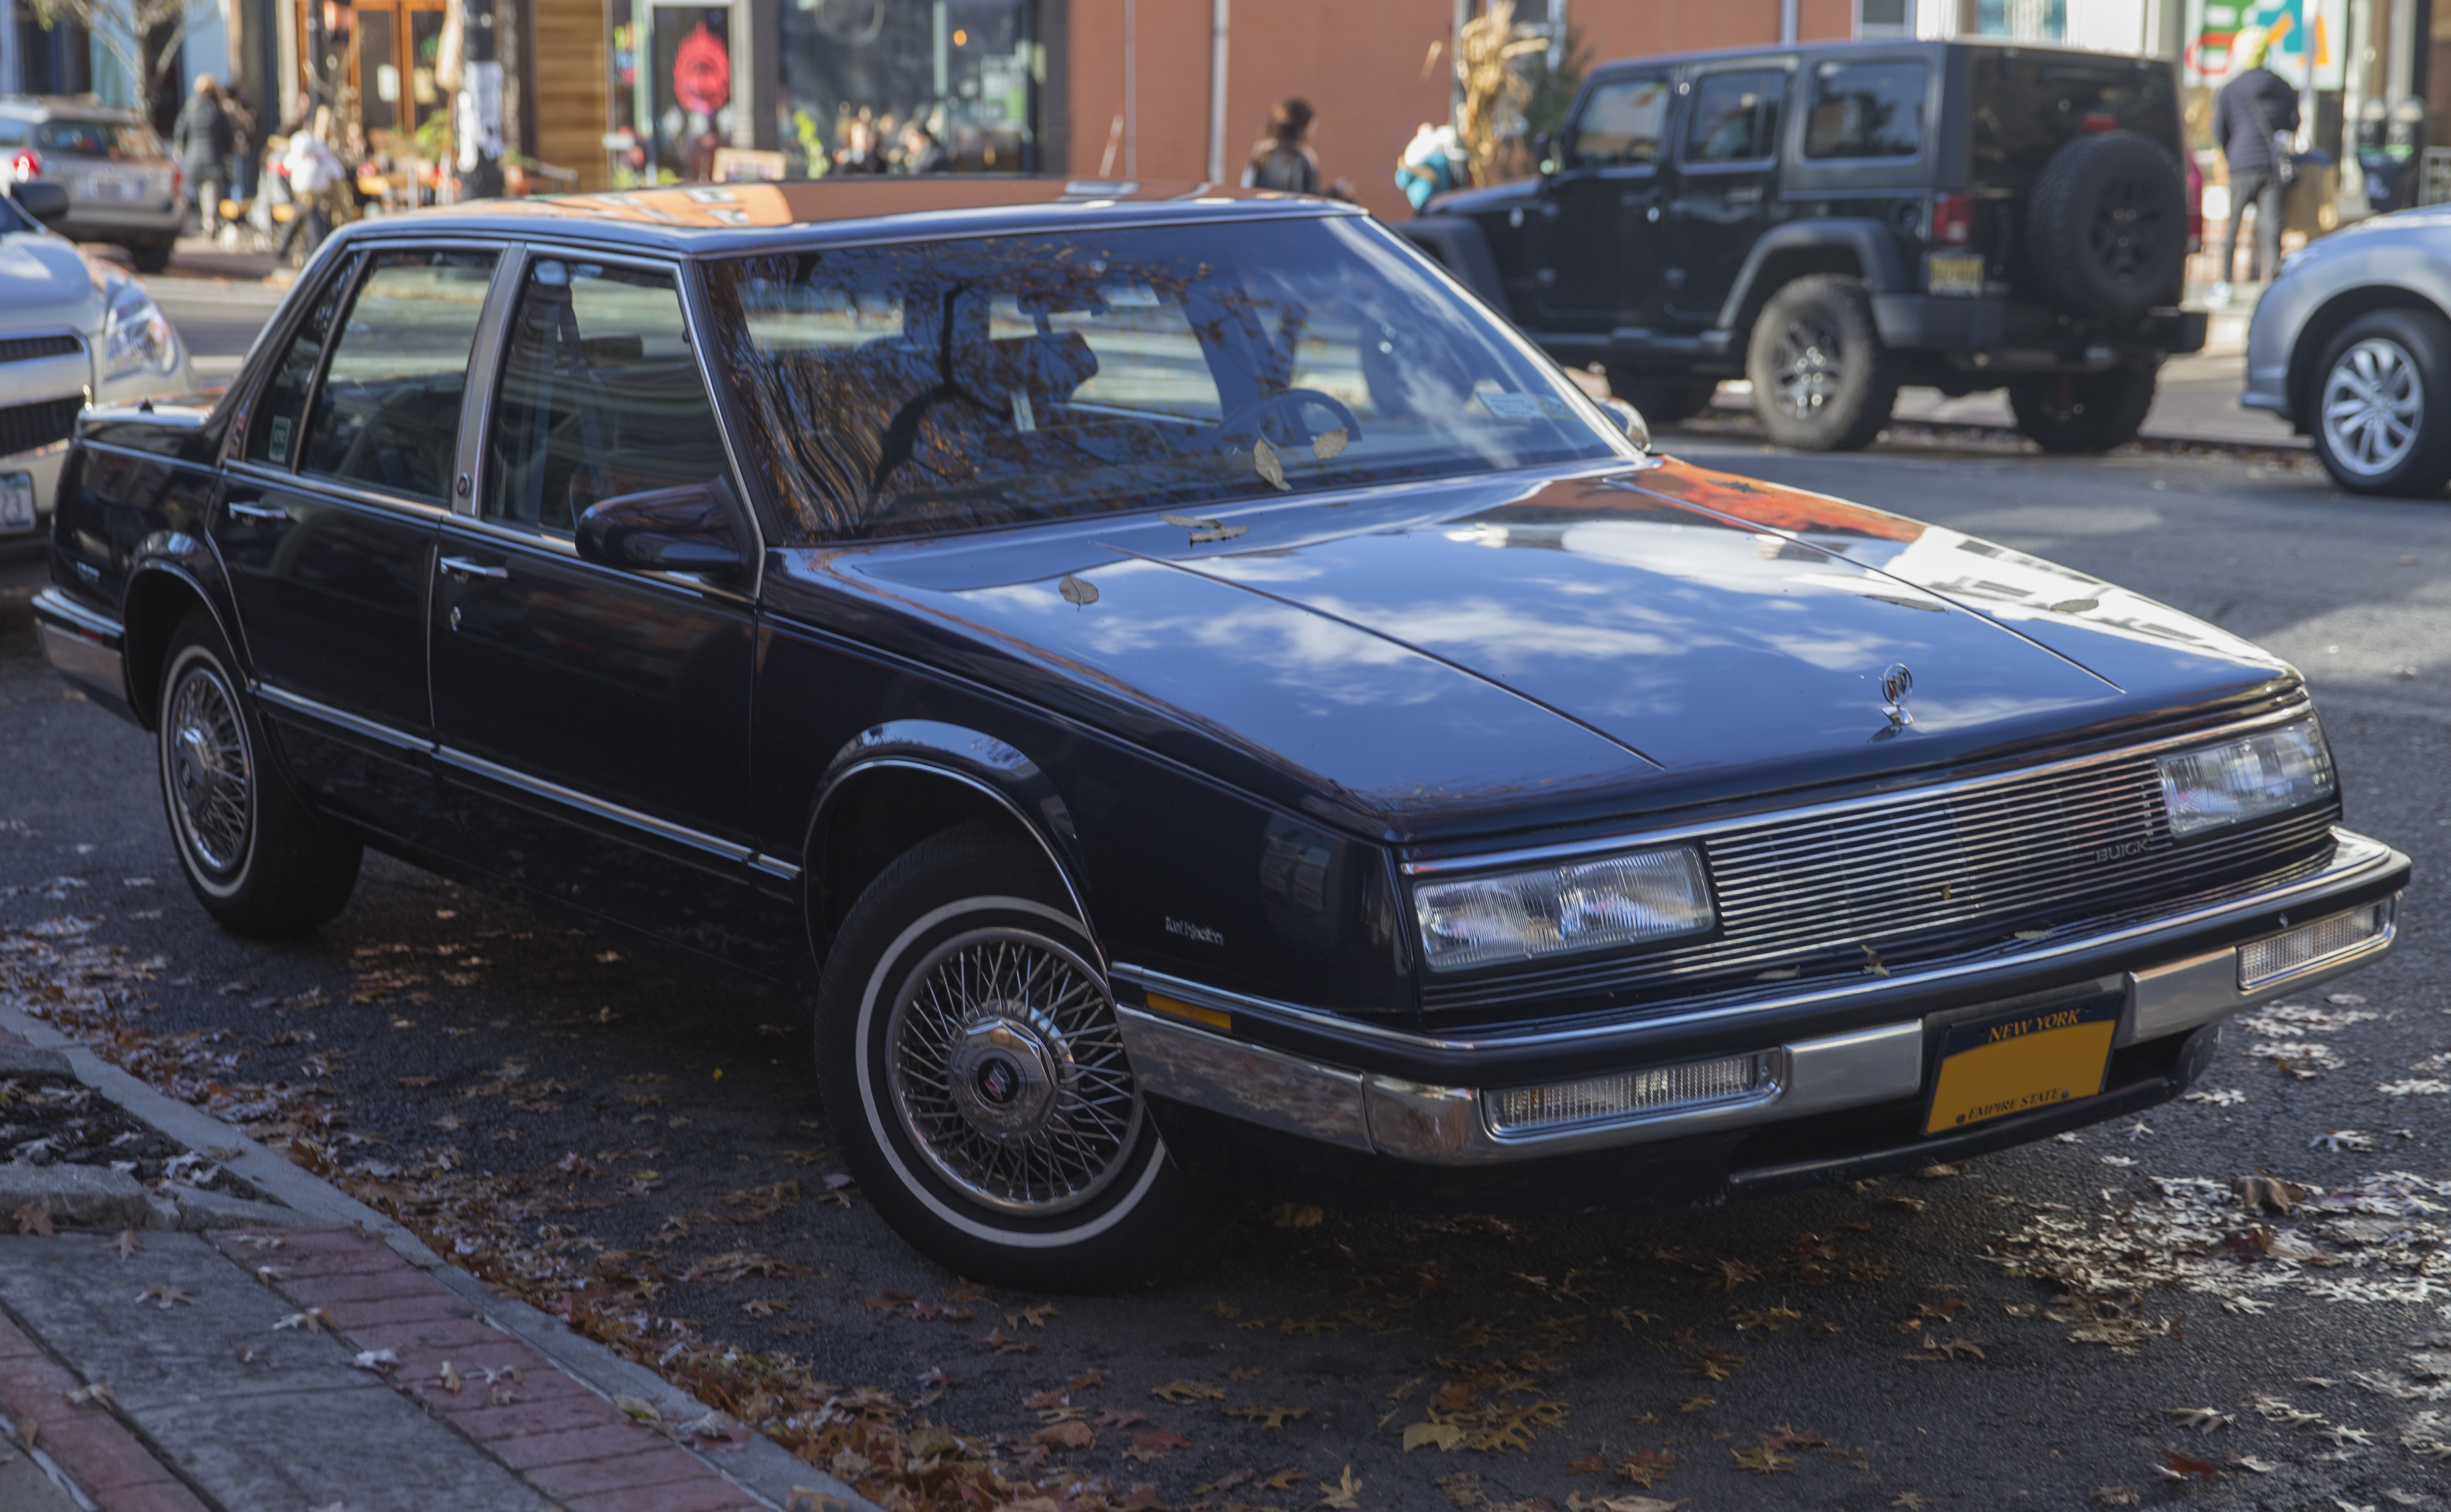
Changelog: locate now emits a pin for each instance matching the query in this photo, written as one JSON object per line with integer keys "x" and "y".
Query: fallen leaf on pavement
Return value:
{"x": 2204, "y": 1419}
{"x": 1285, "y": 1480}
{"x": 126, "y": 1243}
{"x": 1074, "y": 1435}
{"x": 1433, "y": 1436}
{"x": 1120, "y": 1418}
{"x": 165, "y": 1296}
{"x": 1345, "y": 1495}
{"x": 312, "y": 1321}
{"x": 1271, "y": 1418}
{"x": 1763, "y": 1459}
{"x": 2178, "y": 1464}
{"x": 34, "y": 1218}
{"x": 1189, "y": 1392}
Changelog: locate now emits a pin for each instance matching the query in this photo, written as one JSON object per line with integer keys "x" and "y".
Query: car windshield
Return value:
{"x": 123, "y": 140}
{"x": 939, "y": 386}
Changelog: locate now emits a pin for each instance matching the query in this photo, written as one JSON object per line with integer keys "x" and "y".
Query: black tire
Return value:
{"x": 150, "y": 257}
{"x": 2379, "y": 403}
{"x": 1822, "y": 380}
{"x": 1663, "y": 397}
{"x": 2107, "y": 227}
{"x": 955, "y": 910}
{"x": 2082, "y": 413}
{"x": 254, "y": 855}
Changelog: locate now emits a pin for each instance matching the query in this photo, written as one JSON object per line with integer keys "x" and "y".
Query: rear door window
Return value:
{"x": 601, "y": 396}
{"x": 1735, "y": 116}
{"x": 1622, "y": 124}
{"x": 386, "y": 415}
{"x": 275, "y": 433}
{"x": 1866, "y": 111}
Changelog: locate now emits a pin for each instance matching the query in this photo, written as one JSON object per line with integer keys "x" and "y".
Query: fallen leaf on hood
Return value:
{"x": 1077, "y": 591}
{"x": 1191, "y": 522}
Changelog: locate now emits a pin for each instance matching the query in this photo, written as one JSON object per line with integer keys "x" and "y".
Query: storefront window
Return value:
{"x": 857, "y": 73}
{"x": 679, "y": 94}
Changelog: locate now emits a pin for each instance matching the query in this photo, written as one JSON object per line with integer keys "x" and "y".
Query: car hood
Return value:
{"x": 46, "y": 284}
{"x": 1445, "y": 659}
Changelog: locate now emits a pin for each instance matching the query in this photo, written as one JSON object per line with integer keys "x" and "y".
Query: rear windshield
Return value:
{"x": 2023, "y": 107}
{"x": 924, "y": 388}
{"x": 1865, "y": 110}
{"x": 121, "y": 140}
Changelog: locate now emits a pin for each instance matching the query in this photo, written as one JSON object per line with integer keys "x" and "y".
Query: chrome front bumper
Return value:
{"x": 1178, "y": 1055}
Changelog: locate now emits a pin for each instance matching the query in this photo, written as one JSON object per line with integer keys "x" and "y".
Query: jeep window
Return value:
{"x": 1735, "y": 116}
{"x": 1622, "y": 124}
{"x": 1865, "y": 110}
{"x": 2025, "y": 107}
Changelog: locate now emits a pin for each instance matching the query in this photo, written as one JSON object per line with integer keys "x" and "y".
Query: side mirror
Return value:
{"x": 684, "y": 529}
{"x": 43, "y": 200}
{"x": 1637, "y": 430}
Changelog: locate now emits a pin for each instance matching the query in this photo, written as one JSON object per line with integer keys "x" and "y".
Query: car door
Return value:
{"x": 1726, "y": 189}
{"x": 328, "y": 514}
{"x": 1597, "y": 251}
{"x": 594, "y": 721}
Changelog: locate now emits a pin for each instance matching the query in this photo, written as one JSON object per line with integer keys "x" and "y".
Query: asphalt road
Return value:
{"x": 1879, "y": 1331}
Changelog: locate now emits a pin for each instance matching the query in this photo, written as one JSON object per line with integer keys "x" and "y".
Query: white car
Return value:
{"x": 74, "y": 330}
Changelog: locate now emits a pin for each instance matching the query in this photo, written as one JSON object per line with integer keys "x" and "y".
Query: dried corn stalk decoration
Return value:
{"x": 1493, "y": 91}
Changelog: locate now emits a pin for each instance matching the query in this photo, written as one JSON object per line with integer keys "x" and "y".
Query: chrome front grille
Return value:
{"x": 1923, "y": 878}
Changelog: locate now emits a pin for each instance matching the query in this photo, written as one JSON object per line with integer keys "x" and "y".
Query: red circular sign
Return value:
{"x": 701, "y": 73}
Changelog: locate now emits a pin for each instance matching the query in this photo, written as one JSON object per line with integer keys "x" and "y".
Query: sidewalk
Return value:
{"x": 178, "y": 1349}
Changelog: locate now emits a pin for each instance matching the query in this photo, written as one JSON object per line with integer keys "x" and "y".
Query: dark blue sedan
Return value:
{"x": 1197, "y": 704}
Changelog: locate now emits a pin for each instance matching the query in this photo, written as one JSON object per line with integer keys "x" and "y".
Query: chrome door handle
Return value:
{"x": 263, "y": 512}
{"x": 464, "y": 569}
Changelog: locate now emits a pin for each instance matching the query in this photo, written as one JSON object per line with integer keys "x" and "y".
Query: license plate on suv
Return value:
{"x": 1954, "y": 272}
{"x": 16, "y": 503}
{"x": 2042, "y": 1057}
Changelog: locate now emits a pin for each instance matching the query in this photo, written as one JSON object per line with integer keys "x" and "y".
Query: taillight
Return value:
{"x": 178, "y": 182}
{"x": 26, "y": 164}
{"x": 1952, "y": 219}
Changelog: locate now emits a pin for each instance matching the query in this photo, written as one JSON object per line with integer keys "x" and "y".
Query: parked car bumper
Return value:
{"x": 1985, "y": 331}
{"x": 41, "y": 467}
{"x": 1847, "y": 1051}
{"x": 87, "y": 223}
{"x": 84, "y": 645}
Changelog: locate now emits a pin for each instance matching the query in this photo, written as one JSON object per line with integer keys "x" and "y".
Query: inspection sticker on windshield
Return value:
{"x": 16, "y": 502}
{"x": 2040, "y": 1058}
{"x": 1521, "y": 407}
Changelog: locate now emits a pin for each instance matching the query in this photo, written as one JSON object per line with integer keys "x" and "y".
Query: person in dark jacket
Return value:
{"x": 204, "y": 140}
{"x": 2248, "y": 113}
{"x": 1282, "y": 159}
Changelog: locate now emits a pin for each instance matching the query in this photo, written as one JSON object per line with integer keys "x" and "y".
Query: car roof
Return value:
{"x": 712, "y": 218}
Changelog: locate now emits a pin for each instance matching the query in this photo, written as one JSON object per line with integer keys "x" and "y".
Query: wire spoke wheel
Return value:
{"x": 1808, "y": 367}
{"x": 2372, "y": 403}
{"x": 1008, "y": 1071}
{"x": 210, "y": 771}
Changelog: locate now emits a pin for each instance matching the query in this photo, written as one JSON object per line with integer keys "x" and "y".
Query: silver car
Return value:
{"x": 121, "y": 185}
{"x": 74, "y": 330}
{"x": 2350, "y": 346}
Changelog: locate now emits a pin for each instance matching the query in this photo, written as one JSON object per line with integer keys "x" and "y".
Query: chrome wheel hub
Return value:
{"x": 212, "y": 781}
{"x": 1807, "y": 368}
{"x": 2373, "y": 401}
{"x": 1008, "y": 1072}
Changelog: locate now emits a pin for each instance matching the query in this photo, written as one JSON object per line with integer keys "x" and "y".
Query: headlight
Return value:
{"x": 136, "y": 336}
{"x": 1585, "y": 906}
{"x": 2246, "y": 779}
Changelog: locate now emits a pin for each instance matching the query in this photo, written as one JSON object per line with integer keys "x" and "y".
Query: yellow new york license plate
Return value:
{"x": 1954, "y": 272}
{"x": 1993, "y": 1067}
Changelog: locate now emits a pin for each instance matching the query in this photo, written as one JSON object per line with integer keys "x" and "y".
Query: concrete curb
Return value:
{"x": 760, "y": 1467}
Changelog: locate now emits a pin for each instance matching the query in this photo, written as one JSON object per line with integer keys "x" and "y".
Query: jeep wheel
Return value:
{"x": 1663, "y": 397}
{"x": 2079, "y": 413}
{"x": 2107, "y": 226}
{"x": 1822, "y": 380}
{"x": 975, "y": 1076}
{"x": 2380, "y": 417}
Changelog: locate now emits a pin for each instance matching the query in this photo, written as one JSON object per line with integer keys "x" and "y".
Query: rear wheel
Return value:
{"x": 1663, "y": 397}
{"x": 2381, "y": 404}
{"x": 1822, "y": 380}
{"x": 975, "y": 1077}
{"x": 2083, "y": 412}
{"x": 254, "y": 857}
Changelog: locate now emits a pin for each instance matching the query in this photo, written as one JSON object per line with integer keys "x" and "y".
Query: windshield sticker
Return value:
{"x": 1521, "y": 407}
{"x": 279, "y": 440}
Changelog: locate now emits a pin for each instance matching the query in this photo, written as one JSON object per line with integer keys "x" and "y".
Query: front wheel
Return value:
{"x": 2077, "y": 414}
{"x": 2382, "y": 418}
{"x": 1822, "y": 380}
{"x": 260, "y": 863}
{"x": 975, "y": 1077}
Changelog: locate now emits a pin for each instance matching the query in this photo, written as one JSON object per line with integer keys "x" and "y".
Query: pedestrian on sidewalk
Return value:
{"x": 314, "y": 171}
{"x": 204, "y": 140}
{"x": 1282, "y": 159}
{"x": 2255, "y": 119}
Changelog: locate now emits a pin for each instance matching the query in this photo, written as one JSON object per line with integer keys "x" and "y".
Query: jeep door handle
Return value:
{"x": 466, "y": 569}
{"x": 266, "y": 513}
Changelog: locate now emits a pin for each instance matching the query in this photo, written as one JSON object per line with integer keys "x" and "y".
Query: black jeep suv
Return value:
{"x": 1834, "y": 222}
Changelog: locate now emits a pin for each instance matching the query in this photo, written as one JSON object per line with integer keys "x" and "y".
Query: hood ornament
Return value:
{"x": 1897, "y": 685}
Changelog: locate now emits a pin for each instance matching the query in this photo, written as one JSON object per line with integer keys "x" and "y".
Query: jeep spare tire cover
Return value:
{"x": 2107, "y": 226}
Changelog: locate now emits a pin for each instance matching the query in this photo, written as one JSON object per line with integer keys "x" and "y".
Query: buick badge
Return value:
{"x": 1897, "y": 685}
